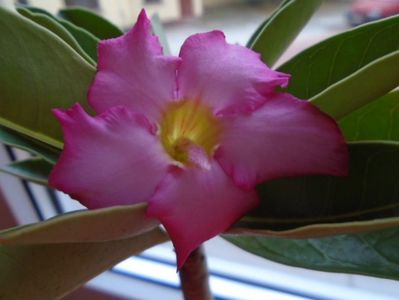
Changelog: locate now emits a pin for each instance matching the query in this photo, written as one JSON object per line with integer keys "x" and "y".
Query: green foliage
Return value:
{"x": 336, "y": 58}
{"x": 259, "y": 29}
{"x": 352, "y": 93}
{"x": 54, "y": 257}
{"x": 90, "y": 21}
{"x": 331, "y": 204}
{"x": 39, "y": 72}
{"x": 49, "y": 271}
{"x": 98, "y": 225}
{"x": 378, "y": 120}
{"x": 277, "y": 33}
{"x": 339, "y": 224}
{"x": 54, "y": 26}
{"x": 330, "y": 223}
{"x": 85, "y": 39}
{"x": 332, "y": 74}
{"x": 33, "y": 169}
{"x": 373, "y": 253}
{"x": 27, "y": 143}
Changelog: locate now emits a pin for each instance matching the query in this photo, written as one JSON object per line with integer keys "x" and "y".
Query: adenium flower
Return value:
{"x": 191, "y": 135}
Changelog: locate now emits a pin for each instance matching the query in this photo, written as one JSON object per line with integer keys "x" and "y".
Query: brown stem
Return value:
{"x": 194, "y": 277}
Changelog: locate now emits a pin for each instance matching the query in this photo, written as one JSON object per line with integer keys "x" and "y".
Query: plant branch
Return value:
{"x": 194, "y": 277}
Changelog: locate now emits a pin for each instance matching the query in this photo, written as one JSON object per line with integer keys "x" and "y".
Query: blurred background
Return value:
{"x": 234, "y": 273}
{"x": 237, "y": 18}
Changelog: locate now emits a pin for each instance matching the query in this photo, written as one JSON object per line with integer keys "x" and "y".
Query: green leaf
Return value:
{"x": 33, "y": 169}
{"x": 53, "y": 257}
{"x": 39, "y": 71}
{"x": 258, "y": 30}
{"x": 334, "y": 59}
{"x": 378, "y": 120}
{"x": 99, "y": 225}
{"x": 326, "y": 205}
{"x": 38, "y": 10}
{"x": 370, "y": 253}
{"x": 351, "y": 93}
{"x": 282, "y": 28}
{"x": 23, "y": 142}
{"x": 51, "y": 24}
{"x": 49, "y": 271}
{"x": 93, "y": 23}
{"x": 158, "y": 30}
{"x": 86, "y": 40}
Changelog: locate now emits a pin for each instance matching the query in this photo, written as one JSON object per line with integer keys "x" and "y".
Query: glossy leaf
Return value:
{"x": 372, "y": 253}
{"x": 282, "y": 28}
{"x": 55, "y": 27}
{"x": 90, "y": 21}
{"x": 49, "y": 271}
{"x": 38, "y": 10}
{"x": 98, "y": 225}
{"x": 378, "y": 120}
{"x": 258, "y": 30}
{"x": 33, "y": 169}
{"x": 326, "y": 205}
{"x": 86, "y": 40}
{"x": 335, "y": 58}
{"x": 39, "y": 71}
{"x": 351, "y": 93}
{"x": 23, "y": 142}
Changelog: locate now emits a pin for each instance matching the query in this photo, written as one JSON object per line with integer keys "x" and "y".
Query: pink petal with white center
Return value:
{"x": 111, "y": 159}
{"x": 228, "y": 78}
{"x": 196, "y": 204}
{"x": 133, "y": 72}
{"x": 284, "y": 137}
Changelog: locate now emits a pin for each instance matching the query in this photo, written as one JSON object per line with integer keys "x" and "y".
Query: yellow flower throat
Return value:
{"x": 188, "y": 123}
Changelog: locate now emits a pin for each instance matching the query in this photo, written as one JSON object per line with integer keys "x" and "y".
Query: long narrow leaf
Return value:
{"x": 339, "y": 56}
{"x": 282, "y": 28}
{"x": 55, "y": 27}
{"x": 258, "y": 30}
{"x": 21, "y": 141}
{"x": 86, "y": 40}
{"x": 35, "y": 79}
{"x": 313, "y": 206}
{"x": 49, "y": 271}
{"x": 90, "y": 21}
{"x": 378, "y": 120}
{"x": 33, "y": 169}
{"x": 351, "y": 93}
{"x": 83, "y": 226}
{"x": 371, "y": 253}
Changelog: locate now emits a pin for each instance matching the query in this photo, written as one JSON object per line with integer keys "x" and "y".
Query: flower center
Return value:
{"x": 188, "y": 124}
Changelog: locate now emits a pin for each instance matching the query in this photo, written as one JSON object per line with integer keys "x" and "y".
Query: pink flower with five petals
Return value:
{"x": 191, "y": 135}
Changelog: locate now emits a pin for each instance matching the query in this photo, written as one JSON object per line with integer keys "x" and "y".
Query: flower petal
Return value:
{"x": 111, "y": 159}
{"x": 224, "y": 76}
{"x": 196, "y": 204}
{"x": 284, "y": 137}
{"x": 133, "y": 72}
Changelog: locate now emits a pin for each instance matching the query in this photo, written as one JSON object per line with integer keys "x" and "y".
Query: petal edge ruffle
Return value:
{"x": 196, "y": 204}
{"x": 133, "y": 72}
{"x": 228, "y": 78}
{"x": 111, "y": 159}
{"x": 285, "y": 137}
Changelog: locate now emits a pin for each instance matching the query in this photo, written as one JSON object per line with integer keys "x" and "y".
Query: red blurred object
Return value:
{"x": 363, "y": 11}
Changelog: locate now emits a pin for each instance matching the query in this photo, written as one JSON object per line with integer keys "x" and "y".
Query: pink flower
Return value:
{"x": 192, "y": 135}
